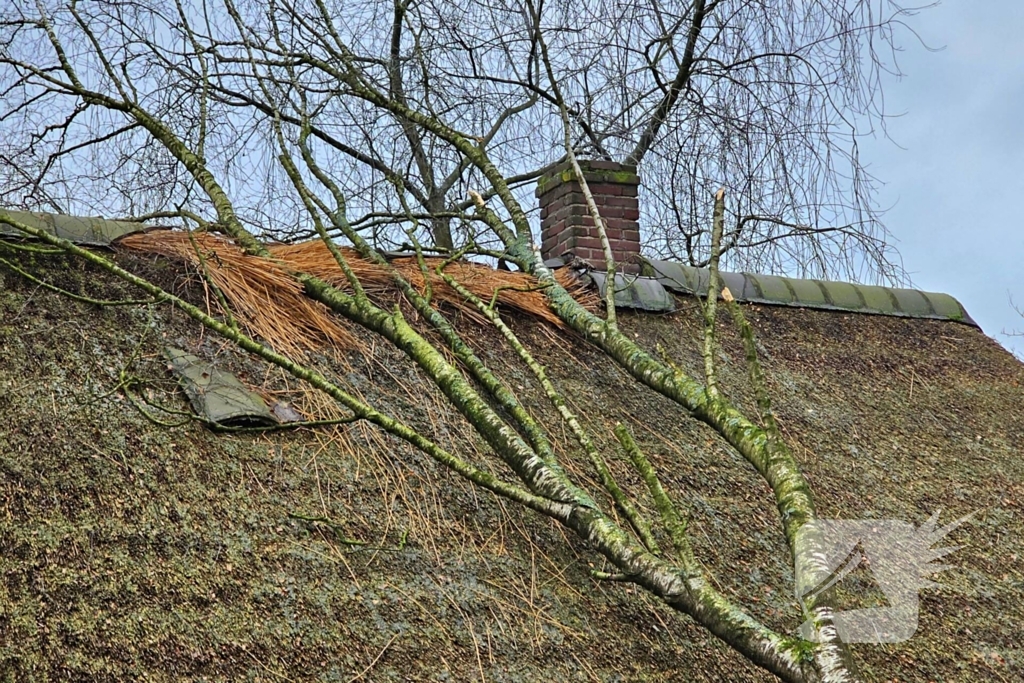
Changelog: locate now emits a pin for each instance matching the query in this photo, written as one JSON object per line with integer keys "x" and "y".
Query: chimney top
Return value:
{"x": 566, "y": 223}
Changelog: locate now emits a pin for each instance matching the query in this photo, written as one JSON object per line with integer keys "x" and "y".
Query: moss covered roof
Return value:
{"x": 133, "y": 550}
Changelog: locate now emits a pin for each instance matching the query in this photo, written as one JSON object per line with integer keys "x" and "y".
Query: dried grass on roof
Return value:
{"x": 269, "y": 300}
{"x": 261, "y": 293}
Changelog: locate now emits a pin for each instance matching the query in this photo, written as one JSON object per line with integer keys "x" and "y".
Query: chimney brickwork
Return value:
{"x": 566, "y": 223}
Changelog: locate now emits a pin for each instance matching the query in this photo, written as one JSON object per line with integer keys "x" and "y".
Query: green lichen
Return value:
{"x": 565, "y": 174}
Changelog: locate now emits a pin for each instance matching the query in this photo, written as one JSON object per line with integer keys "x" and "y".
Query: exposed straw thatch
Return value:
{"x": 269, "y": 300}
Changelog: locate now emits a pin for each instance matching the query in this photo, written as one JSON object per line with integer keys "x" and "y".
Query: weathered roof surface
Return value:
{"x": 130, "y": 550}
{"x": 78, "y": 229}
{"x": 822, "y": 294}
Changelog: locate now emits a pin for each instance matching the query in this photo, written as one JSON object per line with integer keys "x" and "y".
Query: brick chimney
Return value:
{"x": 566, "y": 223}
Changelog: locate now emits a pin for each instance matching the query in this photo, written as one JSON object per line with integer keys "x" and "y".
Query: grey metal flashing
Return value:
{"x": 96, "y": 232}
{"x": 217, "y": 395}
{"x": 554, "y": 262}
{"x": 636, "y": 291}
{"x": 836, "y": 296}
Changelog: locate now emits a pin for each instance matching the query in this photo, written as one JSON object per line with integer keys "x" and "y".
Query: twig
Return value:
{"x": 670, "y": 519}
{"x": 602, "y": 232}
{"x": 711, "y": 301}
{"x": 605, "y": 576}
{"x": 77, "y": 297}
{"x": 374, "y": 662}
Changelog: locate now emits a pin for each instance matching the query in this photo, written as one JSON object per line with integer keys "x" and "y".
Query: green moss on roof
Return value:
{"x": 131, "y": 551}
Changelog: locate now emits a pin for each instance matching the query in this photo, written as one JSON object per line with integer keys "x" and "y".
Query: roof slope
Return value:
{"x": 129, "y": 549}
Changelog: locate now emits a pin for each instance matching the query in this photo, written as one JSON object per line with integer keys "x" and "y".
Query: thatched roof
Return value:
{"x": 130, "y": 550}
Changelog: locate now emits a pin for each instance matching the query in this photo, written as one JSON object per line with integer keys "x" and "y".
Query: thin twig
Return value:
{"x": 376, "y": 659}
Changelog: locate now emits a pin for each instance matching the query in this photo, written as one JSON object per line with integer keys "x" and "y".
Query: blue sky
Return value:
{"x": 957, "y": 187}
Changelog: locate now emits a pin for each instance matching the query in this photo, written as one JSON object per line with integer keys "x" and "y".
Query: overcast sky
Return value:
{"x": 957, "y": 187}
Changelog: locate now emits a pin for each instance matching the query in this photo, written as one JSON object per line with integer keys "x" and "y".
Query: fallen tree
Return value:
{"x": 99, "y": 71}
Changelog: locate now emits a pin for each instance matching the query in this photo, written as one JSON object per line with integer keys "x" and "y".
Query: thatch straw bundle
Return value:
{"x": 267, "y": 298}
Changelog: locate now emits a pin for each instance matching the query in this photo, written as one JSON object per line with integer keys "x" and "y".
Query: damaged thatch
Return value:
{"x": 132, "y": 551}
{"x": 271, "y": 302}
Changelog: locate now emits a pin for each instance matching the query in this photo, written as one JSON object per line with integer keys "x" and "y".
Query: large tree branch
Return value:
{"x": 682, "y": 78}
{"x": 330, "y": 140}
